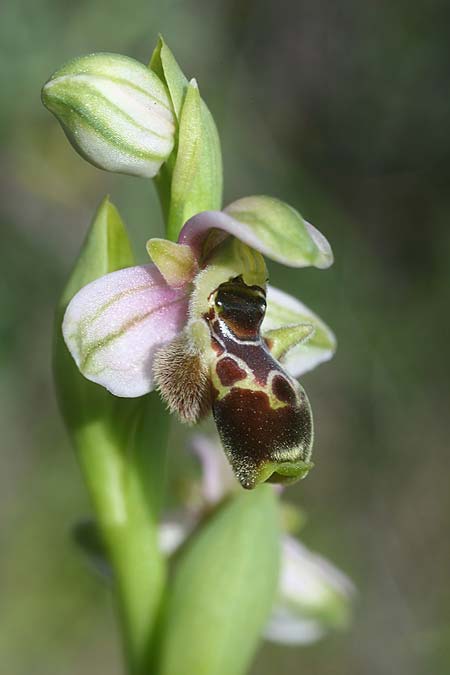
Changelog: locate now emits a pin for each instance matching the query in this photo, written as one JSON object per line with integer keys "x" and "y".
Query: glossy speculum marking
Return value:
{"x": 262, "y": 414}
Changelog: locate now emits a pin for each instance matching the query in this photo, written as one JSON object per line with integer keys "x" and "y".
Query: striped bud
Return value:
{"x": 116, "y": 113}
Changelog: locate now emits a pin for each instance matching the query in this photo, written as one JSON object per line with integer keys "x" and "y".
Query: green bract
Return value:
{"x": 115, "y": 112}
{"x": 192, "y": 179}
{"x": 216, "y": 611}
{"x": 197, "y": 175}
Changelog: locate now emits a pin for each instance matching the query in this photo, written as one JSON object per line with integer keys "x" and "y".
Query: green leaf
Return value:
{"x": 222, "y": 592}
{"x": 120, "y": 445}
{"x": 106, "y": 249}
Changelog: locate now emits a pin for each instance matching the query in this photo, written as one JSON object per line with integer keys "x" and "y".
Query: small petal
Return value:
{"x": 114, "y": 326}
{"x": 197, "y": 175}
{"x": 176, "y": 262}
{"x": 267, "y": 225}
{"x": 282, "y": 340}
{"x": 285, "y": 310}
{"x": 116, "y": 112}
{"x": 313, "y": 596}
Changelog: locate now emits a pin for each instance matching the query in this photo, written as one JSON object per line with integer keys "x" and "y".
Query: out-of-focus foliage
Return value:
{"x": 341, "y": 109}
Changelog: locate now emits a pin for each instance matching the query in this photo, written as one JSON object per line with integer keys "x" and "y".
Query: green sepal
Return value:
{"x": 165, "y": 66}
{"x": 280, "y": 232}
{"x": 223, "y": 588}
{"x": 197, "y": 174}
{"x": 191, "y": 181}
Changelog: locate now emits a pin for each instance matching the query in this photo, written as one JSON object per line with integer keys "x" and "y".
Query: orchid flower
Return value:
{"x": 313, "y": 596}
{"x": 201, "y": 325}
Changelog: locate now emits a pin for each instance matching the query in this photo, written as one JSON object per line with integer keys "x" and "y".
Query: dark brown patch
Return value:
{"x": 254, "y": 434}
{"x": 283, "y": 390}
{"x": 241, "y": 307}
{"x": 229, "y": 372}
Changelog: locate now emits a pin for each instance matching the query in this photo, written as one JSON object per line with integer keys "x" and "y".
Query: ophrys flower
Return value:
{"x": 202, "y": 326}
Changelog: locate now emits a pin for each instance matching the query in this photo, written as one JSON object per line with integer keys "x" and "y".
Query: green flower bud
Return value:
{"x": 116, "y": 113}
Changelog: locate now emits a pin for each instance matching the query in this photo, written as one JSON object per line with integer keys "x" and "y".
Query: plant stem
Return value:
{"x": 119, "y": 480}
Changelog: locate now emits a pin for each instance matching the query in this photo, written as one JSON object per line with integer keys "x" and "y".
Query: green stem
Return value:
{"x": 118, "y": 477}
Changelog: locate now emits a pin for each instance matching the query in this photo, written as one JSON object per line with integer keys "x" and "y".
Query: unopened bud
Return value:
{"x": 116, "y": 113}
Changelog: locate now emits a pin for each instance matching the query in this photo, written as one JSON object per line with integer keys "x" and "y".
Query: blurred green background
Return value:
{"x": 341, "y": 109}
